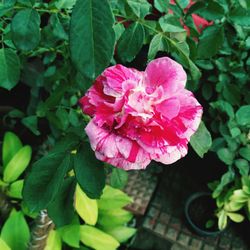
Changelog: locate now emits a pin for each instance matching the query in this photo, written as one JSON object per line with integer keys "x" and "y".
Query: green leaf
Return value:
{"x": 243, "y": 115}
{"x": 170, "y": 23}
{"x": 5, "y": 7}
{"x": 158, "y": 43}
{"x": 226, "y": 155}
{"x": 113, "y": 198}
{"x": 15, "y": 189}
{"x": 119, "y": 178}
{"x": 235, "y": 132}
{"x": 96, "y": 239}
{"x": 70, "y": 234}
{"x": 17, "y": 164}
{"x": 86, "y": 207}
{"x": 243, "y": 166}
{"x": 245, "y": 152}
{"x": 9, "y": 68}
{"x": 130, "y": 42}
{"x": 235, "y": 217}
{"x": 91, "y": 40}
{"x": 240, "y": 16}
{"x": 89, "y": 172}
{"x": 53, "y": 241}
{"x": 201, "y": 141}
{"x": 3, "y": 245}
{"x": 183, "y": 3}
{"x": 210, "y": 41}
{"x": 161, "y": 5}
{"x": 15, "y": 231}
{"x": 31, "y": 123}
{"x": 25, "y": 28}
{"x": 61, "y": 209}
{"x": 64, "y": 4}
{"x": 45, "y": 179}
{"x": 114, "y": 217}
{"x": 57, "y": 27}
{"x": 141, "y": 8}
{"x": 120, "y": 233}
{"x": 11, "y": 145}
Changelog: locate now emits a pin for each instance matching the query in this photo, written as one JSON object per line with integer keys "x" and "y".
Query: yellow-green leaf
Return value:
{"x": 113, "y": 198}
{"x": 11, "y": 145}
{"x": 97, "y": 239}
{"x": 54, "y": 241}
{"x": 86, "y": 208}
{"x": 235, "y": 217}
{"x": 17, "y": 164}
{"x": 121, "y": 233}
{"x": 3, "y": 245}
{"x": 239, "y": 196}
{"x": 233, "y": 206}
{"x": 115, "y": 217}
{"x": 222, "y": 221}
{"x": 15, "y": 189}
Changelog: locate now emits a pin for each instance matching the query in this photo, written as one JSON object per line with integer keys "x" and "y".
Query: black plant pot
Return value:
{"x": 200, "y": 208}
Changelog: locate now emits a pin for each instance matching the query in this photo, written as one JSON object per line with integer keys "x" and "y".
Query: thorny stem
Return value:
{"x": 40, "y": 231}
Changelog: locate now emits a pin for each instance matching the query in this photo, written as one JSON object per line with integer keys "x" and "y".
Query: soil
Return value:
{"x": 201, "y": 210}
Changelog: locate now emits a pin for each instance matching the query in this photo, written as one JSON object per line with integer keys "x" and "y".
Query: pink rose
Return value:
{"x": 141, "y": 116}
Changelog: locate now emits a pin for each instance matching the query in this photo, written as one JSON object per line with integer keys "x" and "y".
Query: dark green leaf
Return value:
{"x": 31, "y": 123}
{"x": 212, "y": 11}
{"x": 224, "y": 107}
{"x": 92, "y": 37}
{"x": 15, "y": 231}
{"x": 25, "y": 29}
{"x": 130, "y": 42}
{"x": 119, "y": 178}
{"x": 232, "y": 94}
{"x": 210, "y": 41}
{"x": 45, "y": 179}
{"x": 201, "y": 141}
{"x": 89, "y": 172}
{"x": 9, "y": 68}
{"x": 225, "y": 179}
{"x": 61, "y": 209}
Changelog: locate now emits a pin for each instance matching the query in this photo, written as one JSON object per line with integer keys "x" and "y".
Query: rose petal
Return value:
{"x": 167, "y": 73}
